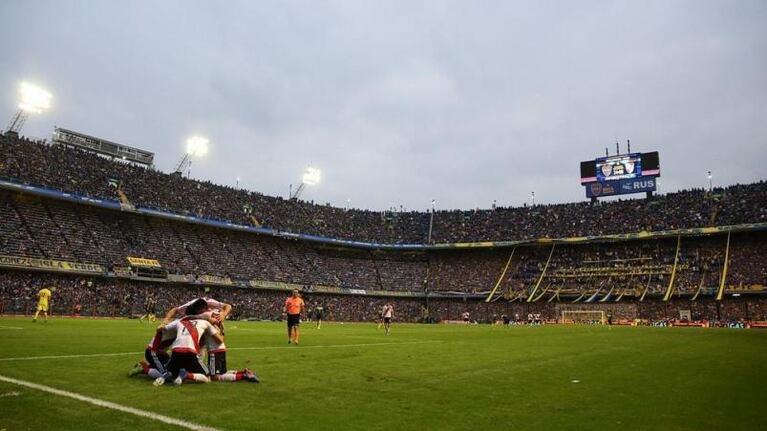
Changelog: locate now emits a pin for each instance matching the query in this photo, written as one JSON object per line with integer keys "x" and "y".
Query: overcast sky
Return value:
{"x": 401, "y": 102}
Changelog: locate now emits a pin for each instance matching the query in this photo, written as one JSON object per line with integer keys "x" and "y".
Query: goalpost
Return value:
{"x": 583, "y": 316}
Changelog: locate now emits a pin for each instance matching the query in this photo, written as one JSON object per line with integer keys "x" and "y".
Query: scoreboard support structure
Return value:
{"x": 648, "y": 195}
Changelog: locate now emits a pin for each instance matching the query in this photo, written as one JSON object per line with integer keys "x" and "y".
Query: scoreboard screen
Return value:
{"x": 619, "y": 167}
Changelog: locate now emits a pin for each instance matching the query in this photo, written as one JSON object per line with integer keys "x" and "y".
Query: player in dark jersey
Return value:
{"x": 150, "y": 312}
{"x": 319, "y": 313}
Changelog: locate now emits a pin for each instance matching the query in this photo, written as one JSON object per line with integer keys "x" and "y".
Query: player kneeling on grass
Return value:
{"x": 211, "y": 305}
{"x": 217, "y": 362}
{"x": 185, "y": 361}
{"x": 156, "y": 354}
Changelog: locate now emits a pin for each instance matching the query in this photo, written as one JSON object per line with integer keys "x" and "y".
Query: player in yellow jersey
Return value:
{"x": 42, "y": 302}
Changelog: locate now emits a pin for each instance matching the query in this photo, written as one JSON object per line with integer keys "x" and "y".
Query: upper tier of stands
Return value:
{"x": 88, "y": 174}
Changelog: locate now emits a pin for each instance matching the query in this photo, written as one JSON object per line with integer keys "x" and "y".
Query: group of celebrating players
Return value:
{"x": 186, "y": 331}
{"x": 198, "y": 325}
{"x": 196, "y": 329}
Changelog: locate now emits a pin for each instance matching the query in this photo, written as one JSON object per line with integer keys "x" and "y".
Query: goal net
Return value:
{"x": 583, "y": 316}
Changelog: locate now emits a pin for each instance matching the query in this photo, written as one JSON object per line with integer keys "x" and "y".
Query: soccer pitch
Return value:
{"x": 421, "y": 377}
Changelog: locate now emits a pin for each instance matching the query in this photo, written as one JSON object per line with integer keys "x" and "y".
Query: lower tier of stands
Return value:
{"x": 111, "y": 297}
{"x": 43, "y": 233}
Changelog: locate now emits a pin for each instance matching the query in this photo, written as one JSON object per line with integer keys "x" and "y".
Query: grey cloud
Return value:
{"x": 401, "y": 102}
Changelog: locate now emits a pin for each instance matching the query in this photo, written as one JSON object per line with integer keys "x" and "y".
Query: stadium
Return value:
{"x": 631, "y": 309}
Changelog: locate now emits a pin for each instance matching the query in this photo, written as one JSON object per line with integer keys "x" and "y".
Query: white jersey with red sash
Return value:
{"x": 214, "y": 346}
{"x": 212, "y": 306}
{"x": 163, "y": 338}
{"x": 189, "y": 333}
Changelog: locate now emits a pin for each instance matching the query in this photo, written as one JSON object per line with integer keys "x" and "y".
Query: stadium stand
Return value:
{"x": 83, "y": 250}
{"x": 96, "y": 296}
{"x": 77, "y": 171}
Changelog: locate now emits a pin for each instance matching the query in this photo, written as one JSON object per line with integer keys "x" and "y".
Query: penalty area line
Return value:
{"x": 108, "y": 405}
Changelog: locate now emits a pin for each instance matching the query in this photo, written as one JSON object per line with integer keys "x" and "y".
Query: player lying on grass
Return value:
{"x": 217, "y": 363}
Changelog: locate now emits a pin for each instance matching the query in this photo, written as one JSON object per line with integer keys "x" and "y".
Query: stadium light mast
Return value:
{"x": 431, "y": 220}
{"x": 312, "y": 177}
{"x": 32, "y": 100}
{"x": 710, "y": 182}
{"x": 196, "y": 146}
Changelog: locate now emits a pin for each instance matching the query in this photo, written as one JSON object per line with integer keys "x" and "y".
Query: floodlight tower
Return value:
{"x": 196, "y": 146}
{"x": 32, "y": 100}
{"x": 431, "y": 220}
{"x": 312, "y": 177}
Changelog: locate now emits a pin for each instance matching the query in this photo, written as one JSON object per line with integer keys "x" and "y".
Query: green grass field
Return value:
{"x": 420, "y": 377}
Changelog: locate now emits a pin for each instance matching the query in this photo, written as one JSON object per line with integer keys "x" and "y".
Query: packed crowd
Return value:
{"x": 110, "y": 297}
{"x": 85, "y": 173}
{"x": 57, "y": 230}
{"x": 50, "y": 229}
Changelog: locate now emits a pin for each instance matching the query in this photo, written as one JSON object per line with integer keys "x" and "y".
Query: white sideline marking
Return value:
{"x": 11, "y": 327}
{"x": 327, "y": 346}
{"x": 109, "y": 405}
{"x": 10, "y": 394}
{"x": 94, "y": 355}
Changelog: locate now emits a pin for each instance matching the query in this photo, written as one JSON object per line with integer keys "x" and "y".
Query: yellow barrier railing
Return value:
{"x": 646, "y": 288}
{"x": 723, "y": 279}
{"x": 543, "y": 273}
{"x": 500, "y": 279}
{"x": 670, "y": 288}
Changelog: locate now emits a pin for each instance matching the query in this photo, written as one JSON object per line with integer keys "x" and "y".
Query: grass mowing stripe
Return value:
{"x": 328, "y": 346}
{"x": 109, "y": 405}
{"x": 333, "y": 346}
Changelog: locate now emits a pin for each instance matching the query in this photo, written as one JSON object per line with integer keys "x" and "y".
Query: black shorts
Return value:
{"x": 318, "y": 316}
{"x": 188, "y": 361}
{"x": 156, "y": 359}
{"x": 217, "y": 362}
{"x": 387, "y": 319}
{"x": 294, "y": 320}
